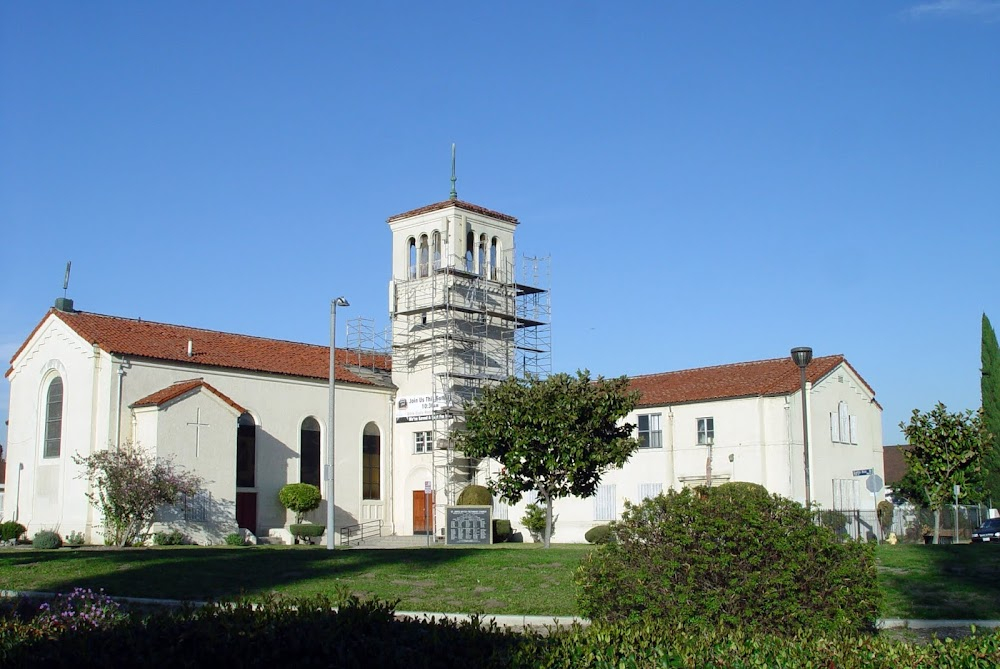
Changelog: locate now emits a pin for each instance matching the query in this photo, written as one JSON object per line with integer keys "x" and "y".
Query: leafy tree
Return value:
{"x": 300, "y": 499}
{"x": 556, "y": 436}
{"x": 128, "y": 485}
{"x": 945, "y": 450}
{"x": 990, "y": 386}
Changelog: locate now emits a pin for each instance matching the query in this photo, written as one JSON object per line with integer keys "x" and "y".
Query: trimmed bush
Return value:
{"x": 885, "y": 511}
{"x": 12, "y": 530}
{"x": 235, "y": 539}
{"x": 171, "y": 538}
{"x": 47, "y": 539}
{"x": 835, "y": 520}
{"x": 534, "y": 522}
{"x": 300, "y": 499}
{"x": 729, "y": 557}
{"x": 306, "y": 532}
{"x": 475, "y": 495}
{"x": 501, "y": 531}
{"x": 599, "y": 534}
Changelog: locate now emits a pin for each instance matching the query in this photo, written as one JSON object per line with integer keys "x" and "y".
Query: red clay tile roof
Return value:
{"x": 180, "y": 388}
{"x": 779, "y": 376}
{"x": 474, "y": 208}
{"x": 161, "y": 341}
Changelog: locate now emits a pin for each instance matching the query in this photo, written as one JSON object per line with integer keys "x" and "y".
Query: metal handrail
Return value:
{"x": 360, "y": 532}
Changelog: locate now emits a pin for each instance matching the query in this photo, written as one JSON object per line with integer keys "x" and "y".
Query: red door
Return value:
{"x": 246, "y": 510}
{"x": 423, "y": 512}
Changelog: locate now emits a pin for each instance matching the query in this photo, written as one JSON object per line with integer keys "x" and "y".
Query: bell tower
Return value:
{"x": 460, "y": 320}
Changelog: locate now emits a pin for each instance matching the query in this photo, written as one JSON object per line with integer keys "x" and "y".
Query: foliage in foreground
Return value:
{"x": 129, "y": 485}
{"x": 300, "y": 499}
{"x": 729, "y": 557}
{"x": 269, "y": 632}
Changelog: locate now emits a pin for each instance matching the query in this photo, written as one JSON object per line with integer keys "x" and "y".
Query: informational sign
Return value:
{"x": 414, "y": 408}
{"x": 469, "y": 525}
{"x": 427, "y": 487}
{"x": 862, "y": 472}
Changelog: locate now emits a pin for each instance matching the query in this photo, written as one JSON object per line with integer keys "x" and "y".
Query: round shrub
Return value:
{"x": 730, "y": 556}
{"x": 306, "y": 532}
{"x": 12, "y": 530}
{"x": 475, "y": 495}
{"x": 235, "y": 539}
{"x": 300, "y": 498}
{"x": 502, "y": 530}
{"x": 599, "y": 534}
{"x": 47, "y": 539}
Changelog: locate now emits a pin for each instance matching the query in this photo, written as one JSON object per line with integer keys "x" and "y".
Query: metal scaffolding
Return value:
{"x": 467, "y": 329}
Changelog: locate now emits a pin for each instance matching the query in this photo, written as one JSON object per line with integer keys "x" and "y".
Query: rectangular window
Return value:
{"x": 422, "y": 442}
{"x": 196, "y": 506}
{"x": 604, "y": 503}
{"x": 706, "y": 431}
{"x": 647, "y": 490}
{"x": 246, "y": 456}
{"x": 650, "y": 435}
{"x": 309, "y": 465}
{"x": 371, "y": 475}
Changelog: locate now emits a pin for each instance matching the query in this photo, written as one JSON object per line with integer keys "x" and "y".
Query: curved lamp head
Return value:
{"x": 802, "y": 356}
{"x": 341, "y": 302}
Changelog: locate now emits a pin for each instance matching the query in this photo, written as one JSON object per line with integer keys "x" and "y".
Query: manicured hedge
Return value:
{"x": 310, "y": 633}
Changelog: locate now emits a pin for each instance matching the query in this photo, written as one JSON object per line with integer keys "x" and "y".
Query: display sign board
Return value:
{"x": 862, "y": 472}
{"x": 469, "y": 525}
{"x": 413, "y": 408}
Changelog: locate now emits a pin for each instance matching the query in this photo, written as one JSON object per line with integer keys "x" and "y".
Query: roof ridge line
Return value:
{"x": 731, "y": 364}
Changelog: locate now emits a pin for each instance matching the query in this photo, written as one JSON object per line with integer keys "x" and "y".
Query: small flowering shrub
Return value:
{"x": 82, "y": 609}
{"x": 74, "y": 539}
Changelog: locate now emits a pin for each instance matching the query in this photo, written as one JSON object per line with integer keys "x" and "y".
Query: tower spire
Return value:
{"x": 454, "y": 193}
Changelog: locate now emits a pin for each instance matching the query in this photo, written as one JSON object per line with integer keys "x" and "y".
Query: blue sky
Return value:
{"x": 714, "y": 181}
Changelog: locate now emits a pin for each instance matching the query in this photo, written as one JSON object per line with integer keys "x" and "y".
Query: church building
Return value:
{"x": 250, "y": 414}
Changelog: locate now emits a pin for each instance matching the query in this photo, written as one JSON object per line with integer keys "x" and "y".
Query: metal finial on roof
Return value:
{"x": 454, "y": 193}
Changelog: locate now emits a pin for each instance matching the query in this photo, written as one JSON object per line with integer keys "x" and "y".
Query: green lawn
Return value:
{"x": 516, "y": 579}
{"x": 948, "y": 582}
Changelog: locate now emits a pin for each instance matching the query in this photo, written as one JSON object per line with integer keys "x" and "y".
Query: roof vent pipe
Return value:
{"x": 190, "y": 348}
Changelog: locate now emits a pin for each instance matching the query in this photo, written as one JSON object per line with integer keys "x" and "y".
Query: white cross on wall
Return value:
{"x": 197, "y": 431}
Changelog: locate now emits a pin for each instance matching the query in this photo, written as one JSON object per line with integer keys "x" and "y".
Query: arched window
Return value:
{"x": 371, "y": 463}
{"x": 494, "y": 252}
{"x": 309, "y": 438}
{"x": 423, "y": 255}
{"x": 470, "y": 246}
{"x": 411, "y": 258}
{"x": 53, "y": 419}
{"x": 482, "y": 255}
{"x": 246, "y": 452}
{"x": 436, "y": 249}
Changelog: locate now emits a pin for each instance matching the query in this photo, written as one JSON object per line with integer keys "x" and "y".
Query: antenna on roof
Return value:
{"x": 69, "y": 263}
{"x": 454, "y": 193}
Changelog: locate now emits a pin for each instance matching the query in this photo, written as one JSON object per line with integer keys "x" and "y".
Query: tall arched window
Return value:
{"x": 246, "y": 452}
{"x": 309, "y": 438}
{"x": 494, "y": 252}
{"x": 371, "y": 463}
{"x": 424, "y": 254}
{"x": 482, "y": 255}
{"x": 411, "y": 258}
{"x": 53, "y": 419}
{"x": 436, "y": 249}
{"x": 470, "y": 246}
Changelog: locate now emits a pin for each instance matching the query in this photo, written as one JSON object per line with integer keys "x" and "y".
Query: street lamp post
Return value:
{"x": 330, "y": 508}
{"x": 801, "y": 356}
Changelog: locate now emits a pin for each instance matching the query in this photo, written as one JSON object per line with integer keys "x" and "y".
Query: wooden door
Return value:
{"x": 423, "y": 512}
{"x": 246, "y": 510}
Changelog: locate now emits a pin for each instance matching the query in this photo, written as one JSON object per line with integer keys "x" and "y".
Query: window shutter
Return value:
{"x": 604, "y": 503}
{"x": 854, "y": 429}
{"x": 834, "y": 428}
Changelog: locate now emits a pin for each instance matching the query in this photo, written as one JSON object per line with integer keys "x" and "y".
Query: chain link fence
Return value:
{"x": 911, "y": 525}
